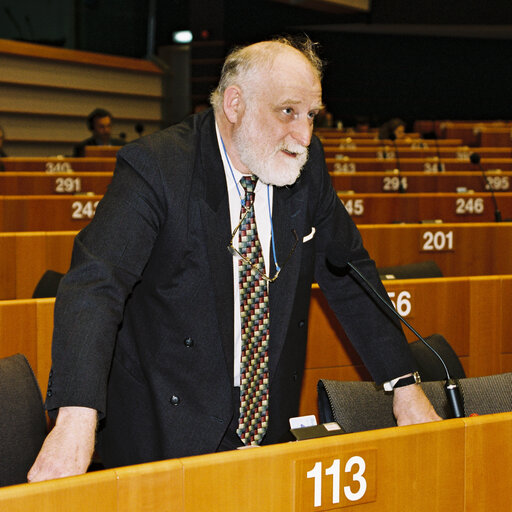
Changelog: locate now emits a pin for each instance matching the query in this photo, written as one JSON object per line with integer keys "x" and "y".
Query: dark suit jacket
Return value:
{"x": 143, "y": 319}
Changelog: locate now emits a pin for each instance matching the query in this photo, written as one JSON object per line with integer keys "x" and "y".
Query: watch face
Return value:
{"x": 407, "y": 381}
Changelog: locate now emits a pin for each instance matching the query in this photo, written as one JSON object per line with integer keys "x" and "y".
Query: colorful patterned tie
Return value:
{"x": 254, "y": 319}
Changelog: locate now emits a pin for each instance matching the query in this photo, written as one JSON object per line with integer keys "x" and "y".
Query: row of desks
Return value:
{"x": 407, "y": 142}
{"x": 426, "y": 207}
{"x": 459, "y": 249}
{"x": 460, "y": 465}
{"x": 390, "y": 152}
{"x": 471, "y": 312}
{"x": 414, "y": 165}
{"x": 38, "y": 183}
{"x": 67, "y": 212}
{"x": 340, "y": 163}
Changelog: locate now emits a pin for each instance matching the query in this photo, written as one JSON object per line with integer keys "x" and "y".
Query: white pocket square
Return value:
{"x": 307, "y": 238}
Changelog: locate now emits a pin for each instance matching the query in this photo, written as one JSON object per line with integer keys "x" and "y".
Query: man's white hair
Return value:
{"x": 244, "y": 64}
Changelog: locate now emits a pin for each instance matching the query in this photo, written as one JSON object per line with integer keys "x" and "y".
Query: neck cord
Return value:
{"x": 242, "y": 201}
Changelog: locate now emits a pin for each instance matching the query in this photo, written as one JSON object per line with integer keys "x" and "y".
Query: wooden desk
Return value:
{"x": 355, "y": 142}
{"x": 471, "y": 312}
{"x": 26, "y": 327}
{"x": 101, "y": 151}
{"x": 428, "y": 151}
{"x": 418, "y": 182}
{"x": 413, "y": 164}
{"x": 411, "y": 207}
{"x": 58, "y": 164}
{"x": 71, "y": 213}
{"x": 490, "y": 136}
{"x": 25, "y": 256}
{"x": 469, "y": 131}
{"x": 459, "y": 249}
{"x": 434, "y": 467}
{"x": 46, "y": 213}
{"x": 39, "y": 183}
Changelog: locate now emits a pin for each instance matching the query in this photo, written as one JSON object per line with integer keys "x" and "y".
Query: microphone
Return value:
{"x": 401, "y": 189}
{"x": 451, "y": 387}
{"x": 474, "y": 158}
{"x": 139, "y": 128}
{"x": 440, "y": 165}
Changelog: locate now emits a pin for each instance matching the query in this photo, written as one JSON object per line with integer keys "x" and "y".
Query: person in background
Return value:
{"x": 99, "y": 122}
{"x": 392, "y": 129}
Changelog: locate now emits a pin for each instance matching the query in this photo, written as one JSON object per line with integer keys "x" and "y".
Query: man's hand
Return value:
{"x": 68, "y": 448}
{"x": 410, "y": 406}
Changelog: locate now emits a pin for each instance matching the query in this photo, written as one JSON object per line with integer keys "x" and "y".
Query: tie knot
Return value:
{"x": 249, "y": 183}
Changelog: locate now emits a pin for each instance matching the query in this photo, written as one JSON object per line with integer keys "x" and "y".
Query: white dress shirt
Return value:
{"x": 263, "y": 211}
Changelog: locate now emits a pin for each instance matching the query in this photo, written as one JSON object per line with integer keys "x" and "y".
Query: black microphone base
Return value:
{"x": 454, "y": 397}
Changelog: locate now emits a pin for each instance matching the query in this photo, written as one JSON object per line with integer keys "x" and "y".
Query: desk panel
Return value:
{"x": 419, "y": 182}
{"x": 428, "y": 151}
{"x": 46, "y": 213}
{"x": 471, "y": 313}
{"x": 461, "y": 465}
{"x": 38, "y": 183}
{"x": 459, "y": 249}
{"x": 409, "y": 207}
{"x": 414, "y": 164}
{"x": 58, "y": 164}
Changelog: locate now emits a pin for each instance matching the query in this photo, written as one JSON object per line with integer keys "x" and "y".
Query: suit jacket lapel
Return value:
{"x": 214, "y": 206}
{"x": 288, "y": 213}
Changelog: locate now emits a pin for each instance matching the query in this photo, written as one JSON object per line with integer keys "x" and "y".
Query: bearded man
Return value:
{"x": 162, "y": 340}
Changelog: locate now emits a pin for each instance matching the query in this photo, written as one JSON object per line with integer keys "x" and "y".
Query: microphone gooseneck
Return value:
{"x": 474, "y": 158}
{"x": 440, "y": 165}
{"x": 451, "y": 386}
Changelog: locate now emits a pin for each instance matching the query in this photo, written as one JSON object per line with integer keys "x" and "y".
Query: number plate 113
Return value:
{"x": 329, "y": 483}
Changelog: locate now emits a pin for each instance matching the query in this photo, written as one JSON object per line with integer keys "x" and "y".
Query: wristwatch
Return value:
{"x": 402, "y": 381}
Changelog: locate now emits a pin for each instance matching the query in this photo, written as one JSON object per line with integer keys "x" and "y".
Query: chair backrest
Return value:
{"x": 22, "y": 419}
{"x": 47, "y": 285}
{"x": 422, "y": 269}
{"x": 429, "y": 365}
{"x": 358, "y": 406}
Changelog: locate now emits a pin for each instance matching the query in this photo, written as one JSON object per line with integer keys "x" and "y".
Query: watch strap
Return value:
{"x": 402, "y": 381}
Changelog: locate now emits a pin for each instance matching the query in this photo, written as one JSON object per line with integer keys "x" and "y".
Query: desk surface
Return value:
{"x": 435, "y": 467}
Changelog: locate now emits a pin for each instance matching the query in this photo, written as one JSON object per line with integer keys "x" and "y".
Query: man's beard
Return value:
{"x": 265, "y": 161}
